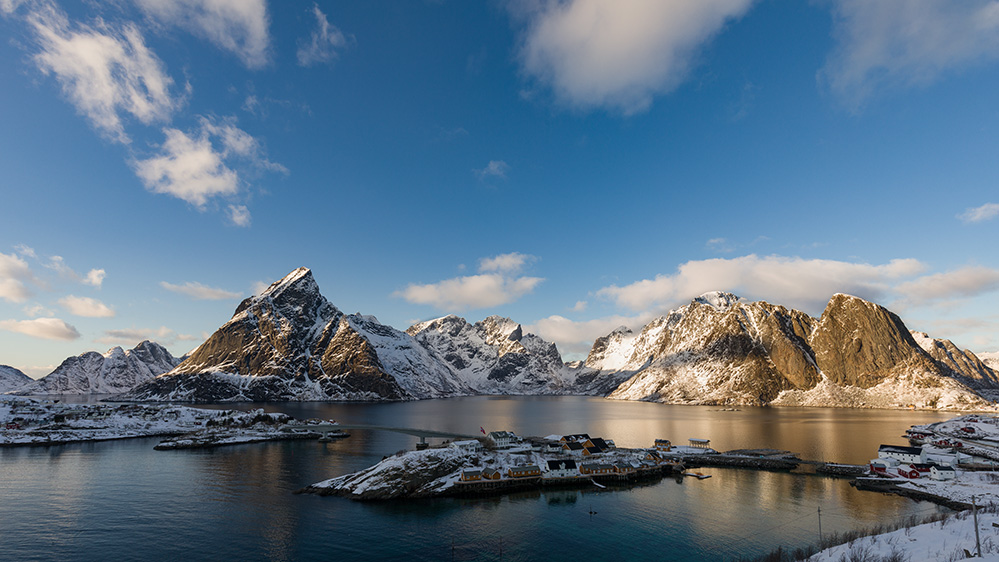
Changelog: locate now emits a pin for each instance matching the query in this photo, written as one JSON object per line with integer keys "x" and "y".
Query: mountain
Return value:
{"x": 495, "y": 356}
{"x": 991, "y": 359}
{"x": 109, "y": 373}
{"x": 12, "y": 379}
{"x": 290, "y": 343}
{"x": 720, "y": 349}
{"x": 972, "y": 370}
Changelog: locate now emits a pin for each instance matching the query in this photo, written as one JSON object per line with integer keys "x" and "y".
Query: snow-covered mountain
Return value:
{"x": 108, "y": 373}
{"x": 290, "y": 343}
{"x": 722, "y": 350}
{"x": 495, "y": 356}
{"x": 991, "y": 359}
{"x": 12, "y": 379}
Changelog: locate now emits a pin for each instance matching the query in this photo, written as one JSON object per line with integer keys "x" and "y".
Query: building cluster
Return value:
{"x": 578, "y": 457}
{"x": 912, "y": 462}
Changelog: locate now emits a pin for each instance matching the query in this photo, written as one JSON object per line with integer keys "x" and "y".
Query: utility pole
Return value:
{"x": 820, "y": 524}
{"x": 978, "y": 543}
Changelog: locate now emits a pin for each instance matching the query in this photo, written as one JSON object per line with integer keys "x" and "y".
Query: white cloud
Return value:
{"x": 495, "y": 169}
{"x": 580, "y": 306}
{"x": 795, "y": 282}
{"x": 103, "y": 70}
{"x": 237, "y": 26}
{"x": 38, "y": 310}
{"x": 576, "y": 338}
{"x": 497, "y": 284}
{"x": 505, "y": 263}
{"x": 26, "y": 251}
{"x": 195, "y": 167}
{"x": 595, "y": 53}
{"x": 899, "y": 44}
{"x": 14, "y": 274}
{"x": 473, "y": 291}
{"x": 131, "y": 337}
{"x": 323, "y": 42}
{"x": 95, "y": 277}
{"x": 258, "y": 287}
{"x": 198, "y": 291}
{"x": 86, "y": 306}
{"x": 962, "y": 283}
{"x": 239, "y": 215}
{"x": 986, "y": 212}
{"x": 46, "y": 328}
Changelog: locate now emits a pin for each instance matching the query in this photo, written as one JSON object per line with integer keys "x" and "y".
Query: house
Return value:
{"x": 575, "y": 438}
{"x": 491, "y": 474}
{"x": 902, "y": 454}
{"x": 523, "y": 471}
{"x": 553, "y": 448}
{"x": 573, "y": 447}
{"x": 503, "y": 439}
{"x": 471, "y": 475}
{"x": 596, "y": 468}
{"x": 881, "y": 466}
{"x": 653, "y": 456}
{"x": 561, "y": 469}
{"x": 625, "y": 468}
{"x": 906, "y": 472}
{"x": 921, "y": 468}
{"x": 469, "y": 447}
{"x": 587, "y": 451}
{"x": 663, "y": 445}
{"x": 938, "y": 472}
{"x": 598, "y": 443}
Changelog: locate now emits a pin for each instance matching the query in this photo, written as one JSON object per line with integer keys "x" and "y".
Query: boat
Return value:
{"x": 697, "y": 475}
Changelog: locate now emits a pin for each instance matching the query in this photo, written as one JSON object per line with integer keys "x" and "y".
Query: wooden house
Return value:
{"x": 663, "y": 445}
{"x": 938, "y": 472}
{"x": 471, "y": 475}
{"x": 596, "y": 468}
{"x": 491, "y": 474}
{"x": 523, "y": 471}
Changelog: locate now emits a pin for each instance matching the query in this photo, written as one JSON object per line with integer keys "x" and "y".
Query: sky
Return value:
{"x": 575, "y": 165}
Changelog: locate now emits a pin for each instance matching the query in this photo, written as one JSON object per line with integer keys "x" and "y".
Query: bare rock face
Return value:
{"x": 859, "y": 343}
{"x": 116, "y": 371}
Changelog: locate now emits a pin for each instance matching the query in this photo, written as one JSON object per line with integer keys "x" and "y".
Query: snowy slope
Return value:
{"x": 12, "y": 379}
{"x": 112, "y": 372}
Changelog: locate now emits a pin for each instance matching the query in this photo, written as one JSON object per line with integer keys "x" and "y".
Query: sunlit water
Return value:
{"x": 124, "y": 501}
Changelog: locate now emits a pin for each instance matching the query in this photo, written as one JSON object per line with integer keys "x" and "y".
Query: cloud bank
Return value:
{"x": 45, "y": 328}
{"x": 618, "y": 55}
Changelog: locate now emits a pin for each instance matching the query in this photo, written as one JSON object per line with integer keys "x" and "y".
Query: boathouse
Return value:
{"x": 471, "y": 475}
{"x": 663, "y": 445}
{"x": 491, "y": 474}
{"x": 699, "y": 443}
{"x": 904, "y": 455}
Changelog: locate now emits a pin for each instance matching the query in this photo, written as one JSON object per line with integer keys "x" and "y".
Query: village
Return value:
{"x": 29, "y": 421}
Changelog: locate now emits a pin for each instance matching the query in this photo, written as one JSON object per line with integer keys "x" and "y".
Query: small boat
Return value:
{"x": 597, "y": 485}
{"x": 697, "y": 475}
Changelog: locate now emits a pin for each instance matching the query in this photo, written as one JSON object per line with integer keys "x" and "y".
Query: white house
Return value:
{"x": 561, "y": 469}
{"x": 904, "y": 455}
{"x": 503, "y": 439}
{"x": 469, "y": 447}
{"x": 938, "y": 472}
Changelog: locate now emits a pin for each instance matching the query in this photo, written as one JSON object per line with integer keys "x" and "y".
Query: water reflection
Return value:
{"x": 123, "y": 500}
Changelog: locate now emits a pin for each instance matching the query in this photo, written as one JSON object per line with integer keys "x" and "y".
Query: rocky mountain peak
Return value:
{"x": 720, "y": 300}
{"x": 12, "y": 379}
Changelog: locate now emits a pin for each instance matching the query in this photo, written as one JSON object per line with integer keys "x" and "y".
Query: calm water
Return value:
{"x": 124, "y": 501}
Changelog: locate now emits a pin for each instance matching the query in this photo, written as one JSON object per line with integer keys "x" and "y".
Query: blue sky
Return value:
{"x": 575, "y": 165}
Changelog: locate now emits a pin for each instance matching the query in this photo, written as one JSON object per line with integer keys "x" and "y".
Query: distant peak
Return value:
{"x": 299, "y": 277}
{"x": 718, "y": 299}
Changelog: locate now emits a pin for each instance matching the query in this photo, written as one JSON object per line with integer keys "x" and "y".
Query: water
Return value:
{"x": 123, "y": 501}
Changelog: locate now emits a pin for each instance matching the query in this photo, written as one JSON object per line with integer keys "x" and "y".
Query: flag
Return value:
{"x": 482, "y": 430}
